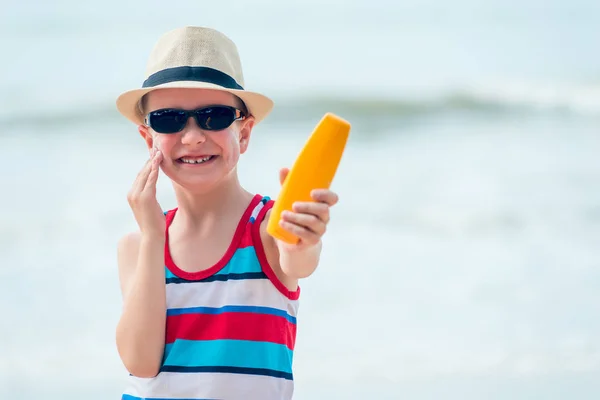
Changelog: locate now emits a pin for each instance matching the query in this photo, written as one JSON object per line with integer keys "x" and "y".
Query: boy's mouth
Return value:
{"x": 195, "y": 160}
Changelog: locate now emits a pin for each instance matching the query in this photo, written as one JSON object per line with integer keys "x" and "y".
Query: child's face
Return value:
{"x": 224, "y": 146}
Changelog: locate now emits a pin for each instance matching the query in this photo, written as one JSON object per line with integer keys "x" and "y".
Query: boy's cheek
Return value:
{"x": 157, "y": 142}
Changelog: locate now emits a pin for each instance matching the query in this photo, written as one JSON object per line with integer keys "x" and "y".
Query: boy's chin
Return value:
{"x": 196, "y": 183}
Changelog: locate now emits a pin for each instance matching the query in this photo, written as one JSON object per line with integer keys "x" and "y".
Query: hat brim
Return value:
{"x": 258, "y": 105}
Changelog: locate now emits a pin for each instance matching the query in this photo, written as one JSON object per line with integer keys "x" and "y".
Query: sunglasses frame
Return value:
{"x": 196, "y": 113}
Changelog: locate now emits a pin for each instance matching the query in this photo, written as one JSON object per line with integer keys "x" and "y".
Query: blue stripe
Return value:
{"x": 230, "y": 370}
{"x": 222, "y": 278}
{"x": 130, "y": 397}
{"x": 169, "y": 274}
{"x": 243, "y": 261}
{"x": 205, "y": 354}
{"x": 224, "y": 309}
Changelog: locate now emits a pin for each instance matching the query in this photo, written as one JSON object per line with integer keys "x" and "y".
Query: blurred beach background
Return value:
{"x": 463, "y": 260}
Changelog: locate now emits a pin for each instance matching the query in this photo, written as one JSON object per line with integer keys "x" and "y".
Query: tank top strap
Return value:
{"x": 260, "y": 209}
{"x": 169, "y": 215}
{"x": 254, "y": 238}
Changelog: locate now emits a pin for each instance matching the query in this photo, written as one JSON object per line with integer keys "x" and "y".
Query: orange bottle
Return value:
{"x": 314, "y": 168}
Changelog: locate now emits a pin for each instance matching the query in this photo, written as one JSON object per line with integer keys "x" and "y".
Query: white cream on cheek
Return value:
{"x": 156, "y": 142}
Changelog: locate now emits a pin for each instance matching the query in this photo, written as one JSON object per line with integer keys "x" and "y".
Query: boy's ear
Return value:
{"x": 245, "y": 132}
{"x": 146, "y": 135}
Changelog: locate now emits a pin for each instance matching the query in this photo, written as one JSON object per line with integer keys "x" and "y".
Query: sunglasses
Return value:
{"x": 173, "y": 120}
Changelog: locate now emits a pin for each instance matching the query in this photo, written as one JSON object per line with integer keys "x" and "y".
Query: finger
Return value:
{"x": 307, "y": 221}
{"x": 283, "y": 172}
{"x": 142, "y": 177}
{"x": 324, "y": 196}
{"x": 304, "y": 234}
{"x": 320, "y": 210}
{"x": 146, "y": 166}
{"x": 153, "y": 175}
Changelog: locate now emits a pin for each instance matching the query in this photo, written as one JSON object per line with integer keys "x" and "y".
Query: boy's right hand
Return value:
{"x": 142, "y": 198}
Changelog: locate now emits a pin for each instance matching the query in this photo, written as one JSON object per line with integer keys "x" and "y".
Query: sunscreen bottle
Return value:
{"x": 314, "y": 168}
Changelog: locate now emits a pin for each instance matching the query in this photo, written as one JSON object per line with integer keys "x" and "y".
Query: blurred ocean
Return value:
{"x": 463, "y": 261}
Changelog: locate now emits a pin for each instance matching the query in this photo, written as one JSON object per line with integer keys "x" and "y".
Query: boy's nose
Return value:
{"x": 192, "y": 134}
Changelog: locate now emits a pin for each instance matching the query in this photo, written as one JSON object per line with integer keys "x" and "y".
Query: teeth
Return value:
{"x": 188, "y": 160}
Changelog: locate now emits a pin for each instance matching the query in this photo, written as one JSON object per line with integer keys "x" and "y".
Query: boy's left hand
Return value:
{"x": 309, "y": 219}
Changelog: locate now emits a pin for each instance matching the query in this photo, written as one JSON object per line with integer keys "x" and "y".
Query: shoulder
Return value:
{"x": 266, "y": 239}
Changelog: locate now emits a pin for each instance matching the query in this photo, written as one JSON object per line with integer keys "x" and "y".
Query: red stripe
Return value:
{"x": 232, "y": 325}
{"x": 246, "y": 240}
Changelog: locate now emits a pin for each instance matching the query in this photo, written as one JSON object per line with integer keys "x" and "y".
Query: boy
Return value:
{"x": 209, "y": 297}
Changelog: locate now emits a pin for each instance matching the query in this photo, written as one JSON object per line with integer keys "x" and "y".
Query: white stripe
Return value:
{"x": 257, "y": 209}
{"x": 171, "y": 385}
{"x": 247, "y": 292}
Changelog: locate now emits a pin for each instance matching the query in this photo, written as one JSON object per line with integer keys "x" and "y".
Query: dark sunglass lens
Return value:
{"x": 167, "y": 121}
{"x": 216, "y": 118}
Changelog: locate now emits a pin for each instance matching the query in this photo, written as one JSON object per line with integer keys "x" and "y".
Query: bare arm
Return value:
{"x": 141, "y": 328}
{"x": 301, "y": 263}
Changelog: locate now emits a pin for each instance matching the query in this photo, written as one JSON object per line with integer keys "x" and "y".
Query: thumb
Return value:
{"x": 283, "y": 172}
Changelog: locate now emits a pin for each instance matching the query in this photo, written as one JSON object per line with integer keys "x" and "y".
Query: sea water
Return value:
{"x": 463, "y": 260}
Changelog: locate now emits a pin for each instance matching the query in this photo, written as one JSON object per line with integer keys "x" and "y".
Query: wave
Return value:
{"x": 490, "y": 102}
{"x": 516, "y": 100}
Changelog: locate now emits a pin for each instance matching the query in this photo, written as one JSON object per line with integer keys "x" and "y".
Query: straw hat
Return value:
{"x": 194, "y": 57}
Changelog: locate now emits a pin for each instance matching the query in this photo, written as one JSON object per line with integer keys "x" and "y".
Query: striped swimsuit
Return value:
{"x": 230, "y": 329}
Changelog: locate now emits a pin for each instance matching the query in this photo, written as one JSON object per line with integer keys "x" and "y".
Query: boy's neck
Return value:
{"x": 196, "y": 208}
